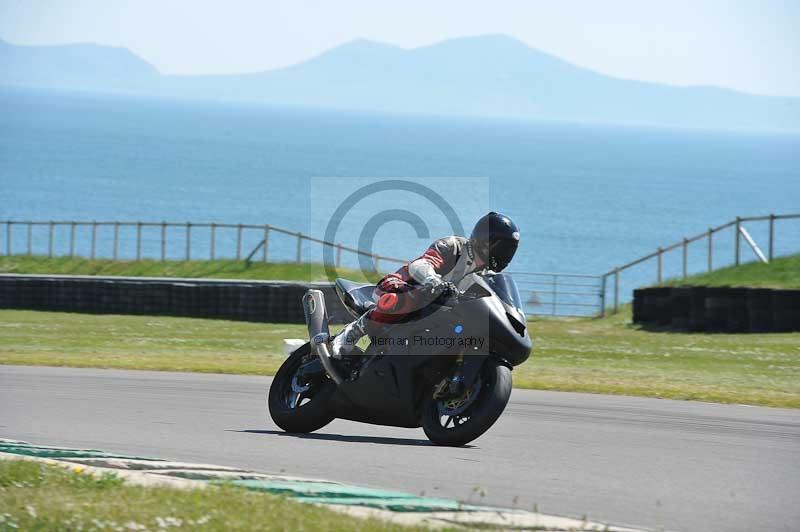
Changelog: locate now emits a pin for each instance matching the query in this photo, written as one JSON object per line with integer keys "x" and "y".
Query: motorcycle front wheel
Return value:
{"x": 296, "y": 403}
{"x": 458, "y": 421}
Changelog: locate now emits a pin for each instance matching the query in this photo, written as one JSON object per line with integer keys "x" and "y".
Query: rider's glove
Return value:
{"x": 447, "y": 289}
{"x": 432, "y": 282}
{"x": 441, "y": 288}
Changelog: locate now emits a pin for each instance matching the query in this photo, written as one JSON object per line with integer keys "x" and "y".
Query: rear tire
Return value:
{"x": 311, "y": 411}
{"x": 481, "y": 414}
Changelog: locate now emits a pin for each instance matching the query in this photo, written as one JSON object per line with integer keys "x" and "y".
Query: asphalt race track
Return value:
{"x": 654, "y": 463}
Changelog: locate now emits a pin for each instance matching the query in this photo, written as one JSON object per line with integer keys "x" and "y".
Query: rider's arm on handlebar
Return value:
{"x": 422, "y": 271}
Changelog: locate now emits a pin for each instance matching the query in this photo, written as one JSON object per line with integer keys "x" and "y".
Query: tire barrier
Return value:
{"x": 717, "y": 309}
{"x": 260, "y": 301}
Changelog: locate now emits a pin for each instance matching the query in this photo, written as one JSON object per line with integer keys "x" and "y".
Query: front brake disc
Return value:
{"x": 457, "y": 405}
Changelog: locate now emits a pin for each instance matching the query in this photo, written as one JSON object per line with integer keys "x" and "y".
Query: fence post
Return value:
{"x": 72, "y": 239}
{"x": 685, "y": 256}
{"x": 738, "y": 241}
{"x": 138, "y": 240}
{"x": 213, "y": 240}
{"x": 338, "y": 255}
{"x": 266, "y": 242}
{"x": 94, "y": 239}
{"x": 299, "y": 257}
{"x": 238, "y": 241}
{"x": 30, "y": 239}
{"x": 659, "y": 266}
{"x": 188, "y": 240}
{"x": 616, "y": 289}
{"x": 116, "y": 240}
{"x": 163, "y": 240}
{"x": 771, "y": 235}
{"x": 710, "y": 249}
{"x": 50, "y": 229}
{"x": 603, "y": 295}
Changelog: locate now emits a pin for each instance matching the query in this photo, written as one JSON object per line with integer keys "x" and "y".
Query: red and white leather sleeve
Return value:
{"x": 437, "y": 260}
{"x": 423, "y": 272}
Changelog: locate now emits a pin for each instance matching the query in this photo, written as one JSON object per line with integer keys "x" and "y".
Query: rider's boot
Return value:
{"x": 346, "y": 340}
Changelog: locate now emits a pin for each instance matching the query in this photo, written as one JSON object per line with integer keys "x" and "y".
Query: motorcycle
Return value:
{"x": 445, "y": 367}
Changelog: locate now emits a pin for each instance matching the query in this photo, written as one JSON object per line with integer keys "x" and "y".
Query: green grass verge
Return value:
{"x": 35, "y": 496}
{"x": 588, "y": 355}
{"x": 783, "y": 272}
{"x": 214, "y": 269}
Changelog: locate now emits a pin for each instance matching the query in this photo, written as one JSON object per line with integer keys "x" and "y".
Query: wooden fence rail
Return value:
{"x": 558, "y": 293}
{"x": 739, "y": 233}
{"x": 185, "y": 232}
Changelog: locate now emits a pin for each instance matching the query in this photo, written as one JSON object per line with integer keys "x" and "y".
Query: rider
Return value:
{"x": 491, "y": 245}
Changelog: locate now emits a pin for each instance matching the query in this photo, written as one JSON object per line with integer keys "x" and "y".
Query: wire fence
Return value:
{"x": 560, "y": 294}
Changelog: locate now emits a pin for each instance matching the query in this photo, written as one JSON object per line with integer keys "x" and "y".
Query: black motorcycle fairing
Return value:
{"x": 398, "y": 371}
{"x": 496, "y": 318}
{"x": 504, "y": 286}
{"x": 487, "y": 318}
{"x": 403, "y": 364}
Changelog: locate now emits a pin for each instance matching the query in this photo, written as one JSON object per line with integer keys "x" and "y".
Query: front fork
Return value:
{"x": 453, "y": 384}
{"x": 465, "y": 371}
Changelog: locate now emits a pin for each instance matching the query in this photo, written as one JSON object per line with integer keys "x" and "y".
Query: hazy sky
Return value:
{"x": 750, "y": 45}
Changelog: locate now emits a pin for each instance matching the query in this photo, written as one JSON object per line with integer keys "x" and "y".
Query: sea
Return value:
{"x": 587, "y": 197}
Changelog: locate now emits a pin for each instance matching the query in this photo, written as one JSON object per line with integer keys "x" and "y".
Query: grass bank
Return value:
{"x": 213, "y": 269}
{"x": 35, "y": 496}
{"x": 783, "y": 272}
{"x": 589, "y": 355}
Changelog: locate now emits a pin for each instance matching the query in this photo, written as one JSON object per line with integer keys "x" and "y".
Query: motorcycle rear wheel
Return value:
{"x": 445, "y": 424}
{"x": 299, "y": 412}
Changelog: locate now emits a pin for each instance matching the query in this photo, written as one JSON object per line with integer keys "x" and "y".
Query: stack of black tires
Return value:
{"x": 264, "y": 301}
{"x": 717, "y": 309}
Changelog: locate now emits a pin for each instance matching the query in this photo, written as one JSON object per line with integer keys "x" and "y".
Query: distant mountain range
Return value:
{"x": 487, "y": 76}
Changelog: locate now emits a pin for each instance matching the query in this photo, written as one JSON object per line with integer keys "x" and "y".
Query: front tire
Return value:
{"x": 447, "y": 423}
{"x": 304, "y": 411}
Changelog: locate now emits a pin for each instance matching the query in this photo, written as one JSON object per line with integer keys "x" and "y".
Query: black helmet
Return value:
{"x": 495, "y": 240}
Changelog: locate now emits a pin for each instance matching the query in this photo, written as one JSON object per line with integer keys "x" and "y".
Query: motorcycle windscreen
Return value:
{"x": 506, "y": 289}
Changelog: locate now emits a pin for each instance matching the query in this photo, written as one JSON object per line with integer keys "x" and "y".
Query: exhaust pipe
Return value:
{"x": 318, "y": 331}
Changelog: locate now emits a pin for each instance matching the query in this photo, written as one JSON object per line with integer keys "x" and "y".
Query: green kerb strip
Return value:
{"x": 41, "y": 451}
{"x": 308, "y": 491}
{"x": 332, "y": 493}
